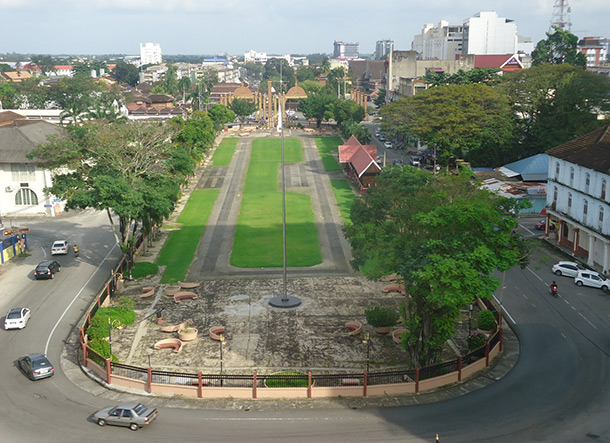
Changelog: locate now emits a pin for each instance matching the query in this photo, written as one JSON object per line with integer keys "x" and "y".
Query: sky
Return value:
{"x": 208, "y": 27}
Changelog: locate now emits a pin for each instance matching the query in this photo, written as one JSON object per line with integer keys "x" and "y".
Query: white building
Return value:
{"x": 578, "y": 196}
{"x": 346, "y": 51}
{"x": 442, "y": 42}
{"x": 486, "y": 33}
{"x": 150, "y": 54}
{"x": 383, "y": 49}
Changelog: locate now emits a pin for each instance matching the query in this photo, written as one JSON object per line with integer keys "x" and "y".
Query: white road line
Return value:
{"x": 585, "y": 318}
{"x": 505, "y": 311}
{"x": 532, "y": 233}
{"x": 528, "y": 268}
{"x": 46, "y": 347}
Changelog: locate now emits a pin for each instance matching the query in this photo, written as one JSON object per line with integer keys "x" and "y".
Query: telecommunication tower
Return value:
{"x": 561, "y": 16}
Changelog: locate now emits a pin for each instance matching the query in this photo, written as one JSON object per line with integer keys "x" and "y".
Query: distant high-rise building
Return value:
{"x": 486, "y": 33}
{"x": 596, "y": 49}
{"x": 348, "y": 51}
{"x": 150, "y": 54}
{"x": 383, "y": 49}
{"x": 442, "y": 42}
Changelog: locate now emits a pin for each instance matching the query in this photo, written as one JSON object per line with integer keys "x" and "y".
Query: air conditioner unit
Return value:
{"x": 9, "y": 189}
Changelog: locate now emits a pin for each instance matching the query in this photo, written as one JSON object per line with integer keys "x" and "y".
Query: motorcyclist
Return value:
{"x": 75, "y": 249}
{"x": 554, "y": 288}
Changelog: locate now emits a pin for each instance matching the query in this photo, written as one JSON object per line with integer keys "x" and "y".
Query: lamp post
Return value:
{"x": 222, "y": 343}
{"x": 367, "y": 342}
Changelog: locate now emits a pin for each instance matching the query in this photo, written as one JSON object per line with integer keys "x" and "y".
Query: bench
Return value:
{"x": 172, "y": 328}
{"x": 170, "y": 292}
{"x": 148, "y": 289}
{"x": 354, "y": 327}
{"x": 168, "y": 343}
{"x": 148, "y": 293}
{"x": 216, "y": 331}
{"x": 184, "y": 295}
{"x": 394, "y": 288}
{"x": 350, "y": 381}
{"x": 390, "y": 277}
{"x": 188, "y": 285}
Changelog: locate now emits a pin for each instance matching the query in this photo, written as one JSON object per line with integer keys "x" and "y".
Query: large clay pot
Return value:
{"x": 383, "y": 329}
{"x": 189, "y": 334}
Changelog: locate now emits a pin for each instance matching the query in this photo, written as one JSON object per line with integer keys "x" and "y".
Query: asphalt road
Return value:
{"x": 558, "y": 390}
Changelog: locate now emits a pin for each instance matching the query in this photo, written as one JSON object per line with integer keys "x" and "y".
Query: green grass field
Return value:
{"x": 345, "y": 198}
{"x": 224, "y": 152}
{"x": 258, "y": 235}
{"x": 328, "y": 147}
{"x": 181, "y": 245}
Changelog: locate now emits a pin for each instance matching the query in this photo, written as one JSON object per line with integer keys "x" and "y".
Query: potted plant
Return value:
{"x": 486, "y": 321}
{"x": 381, "y": 318}
{"x": 187, "y": 332}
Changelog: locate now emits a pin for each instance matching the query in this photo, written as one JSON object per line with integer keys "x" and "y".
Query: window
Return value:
{"x": 601, "y": 214}
{"x": 571, "y": 177}
{"x": 23, "y": 172}
{"x": 555, "y": 193}
{"x": 587, "y": 182}
{"x": 585, "y": 209}
{"x": 557, "y": 171}
{"x": 569, "y": 202}
{"x": 603, "y": 196}
{"x": 26, "y": 197}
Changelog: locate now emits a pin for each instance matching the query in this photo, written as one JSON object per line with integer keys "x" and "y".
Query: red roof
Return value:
{"x": 363, "y": 162}
{"x": 506, "y": 62}
{"x": 351, "y": 146}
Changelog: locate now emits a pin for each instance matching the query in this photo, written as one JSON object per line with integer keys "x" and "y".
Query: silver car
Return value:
{"x": 36, "y": 366}
{"x": 592, "y": 279}
{"x": 567, "y": 268}
{"x": 133, "y": 415}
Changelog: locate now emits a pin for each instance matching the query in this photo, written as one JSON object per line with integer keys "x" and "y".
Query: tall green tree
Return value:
{"x": 488, "y": 76}
{"x": 319, "y": 105}
{"x": 221, "y": 115}
{"x": 380, "y": 99}
{"x": 343, "y": 110}
{"x": 8, "y": 96}
{"x": 554, "y": 104}
{"x": 75, "y": 96}
{"x": 444, "y": 237}
{"x": 126, "y": 73}
{"x": 560, "y": 46}
{"x": 46, "y": 63}
{"x": 461, "y": 121}
{"x": 196, "y": 134}
{"x": 349, "y": 128}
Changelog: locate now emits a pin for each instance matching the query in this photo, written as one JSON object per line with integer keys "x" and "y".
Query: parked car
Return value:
{"x": 17, "y": 318}
{"x": 379, "y": 159}
{"x": 542, "y": 224}
{"x": 415, "y": 161}
{"x": 592, "y": 279}
{"x": 382, "y": 138}
{"x": 59, "y": 247}
{"x": 567, "y": 268}
{"x": 397, "y": 162}
{"x": 46, "y": 269}
{"x": 36, "y": 366}
{"x": 387, "y": 145}
{"x": 133, "y": 415}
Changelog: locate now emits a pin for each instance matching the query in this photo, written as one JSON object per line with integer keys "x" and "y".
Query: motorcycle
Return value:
{"x": 554, "y": 291}
{"x": 75, "y": 251}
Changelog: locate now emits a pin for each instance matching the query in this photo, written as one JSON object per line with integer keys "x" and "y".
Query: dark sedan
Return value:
{"x": 46, "y": 269}
{"x": 36, "y": 366}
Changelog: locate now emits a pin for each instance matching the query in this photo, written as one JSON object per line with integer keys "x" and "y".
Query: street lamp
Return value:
{"x": 367, "y": 342}
{"x": 222, "y": 342}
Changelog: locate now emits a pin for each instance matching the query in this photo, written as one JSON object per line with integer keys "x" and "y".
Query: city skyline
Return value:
{"x": 232, "y": 26}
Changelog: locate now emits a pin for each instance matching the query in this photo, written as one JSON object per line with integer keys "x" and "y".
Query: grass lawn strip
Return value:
{"x": 224, "y": 152}
{"x": 181, "y": 245}
{"x": 345, "y": 198}
{"x": 328, "y": 148}
{"x": 258, "y": 235}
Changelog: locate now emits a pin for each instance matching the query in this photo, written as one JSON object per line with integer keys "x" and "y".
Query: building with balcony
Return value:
{"x": 596, "y": 49}
{"x": 442, "y": 42}
{"x": 383, "y": 49}
{"x": 578, "y": 197}
{"x": 346, "y": 51}
{"x": 150, "y": 54}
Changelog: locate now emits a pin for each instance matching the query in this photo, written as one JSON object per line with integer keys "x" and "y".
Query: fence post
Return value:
{"x": 254, "y": 385}
{"x": 84, "y": 345}
{"x": 487, "y": 354}
{"x": 107, "y": 289}
{"x": 459, "y": 368}
{"x": 149, "y": 381}
{"x": 308, "y": 384}
{"x": 109, "y": 371}
{"x": 365, "y": 382}
{"x": 199, "y": 385}
{"x": 417, "y": 380}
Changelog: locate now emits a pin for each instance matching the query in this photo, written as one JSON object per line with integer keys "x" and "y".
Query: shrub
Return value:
{"x": 117, "y": 316}
{"x": 127, "y": 302}
{"x": 287, "y": 379}
{"x": 144, "y": 269}
{"x": 486, "y": 321}
{"x": 381, "y": 316}
{"x": 102, "y": 347}
{"x": 476, "y": 341}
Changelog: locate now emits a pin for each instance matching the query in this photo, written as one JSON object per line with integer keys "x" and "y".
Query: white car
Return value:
{"x": 592, "y": 279}
{"x": 387, "y": 145}
{"x": 567, "y": 268}
{"x": 17, "y": 318}
{"x": 59, "y": 247}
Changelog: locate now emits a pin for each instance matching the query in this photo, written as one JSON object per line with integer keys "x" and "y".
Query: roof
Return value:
{"x": 21, "y": 137}
{"x": 506, "y": 62}
{"x": 351, "y": 146}
{"x": 364, "y": 163}
{"x": 243, "y": 93}
{"x": 534, "y": 168}
{"x": 17, "y": 76}
{"x": 8, "y": 117}
{"x": 514, "y": 189}
{"x": 590, "y": 151}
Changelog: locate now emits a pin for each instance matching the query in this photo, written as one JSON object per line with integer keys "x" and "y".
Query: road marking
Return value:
{"x": 585, "y": 318}
{"x": 532, "y": 233}
{"x": 46, "y": 347}
{"x": 528, "y": 268}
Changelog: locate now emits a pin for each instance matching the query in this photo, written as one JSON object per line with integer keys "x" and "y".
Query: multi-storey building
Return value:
{"x": 383, "y": 49}
{"x": 347, "y": 51}
{"x": 150, "y": 54}
{"x": 578, "y": 196}
{"x": 486, "y": 33}
{"x": 442, "y": 42}
{"x": 595, "y": 49}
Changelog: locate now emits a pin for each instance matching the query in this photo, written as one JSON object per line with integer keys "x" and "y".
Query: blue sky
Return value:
{"x": 272, "y": 26}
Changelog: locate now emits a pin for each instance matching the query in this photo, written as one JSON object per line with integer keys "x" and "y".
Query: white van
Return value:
{"x": 592, "y": 279}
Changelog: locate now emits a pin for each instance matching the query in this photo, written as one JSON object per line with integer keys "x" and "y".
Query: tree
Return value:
{"x": 555, "y": 103}
{"x": 380, "y": 99}
{"x": 311, "y": 86}
{"x": 325, "y": 66}
{"x": 560, "y": 46}
{"x": 318, "y": 105}
{"x": 305, "y": 73}
{"x": 8, "y": 96}
{"x": 488, "y": 76}
{"x": 444, "y": 237}
{"x": 31, "y": 95}
{"x": 131, "y": 169}
{"x": 254, "y": 71}
{"x": 461, "y": 121}
{"x": 242, "y": 108}
{"x": 274, "y": 67}
{"x": 126, "y": 73}
{"x": 75, "y": 96}
{"x": 5, "y": 68}
{"x": 46, "y": 63}
{"x": 336, "y": 81}
{"x": 344, "y": 110}
{"x": 349, "y": 128}
{"x": 221, "y": 115}
{"x": 196, "y": 134}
